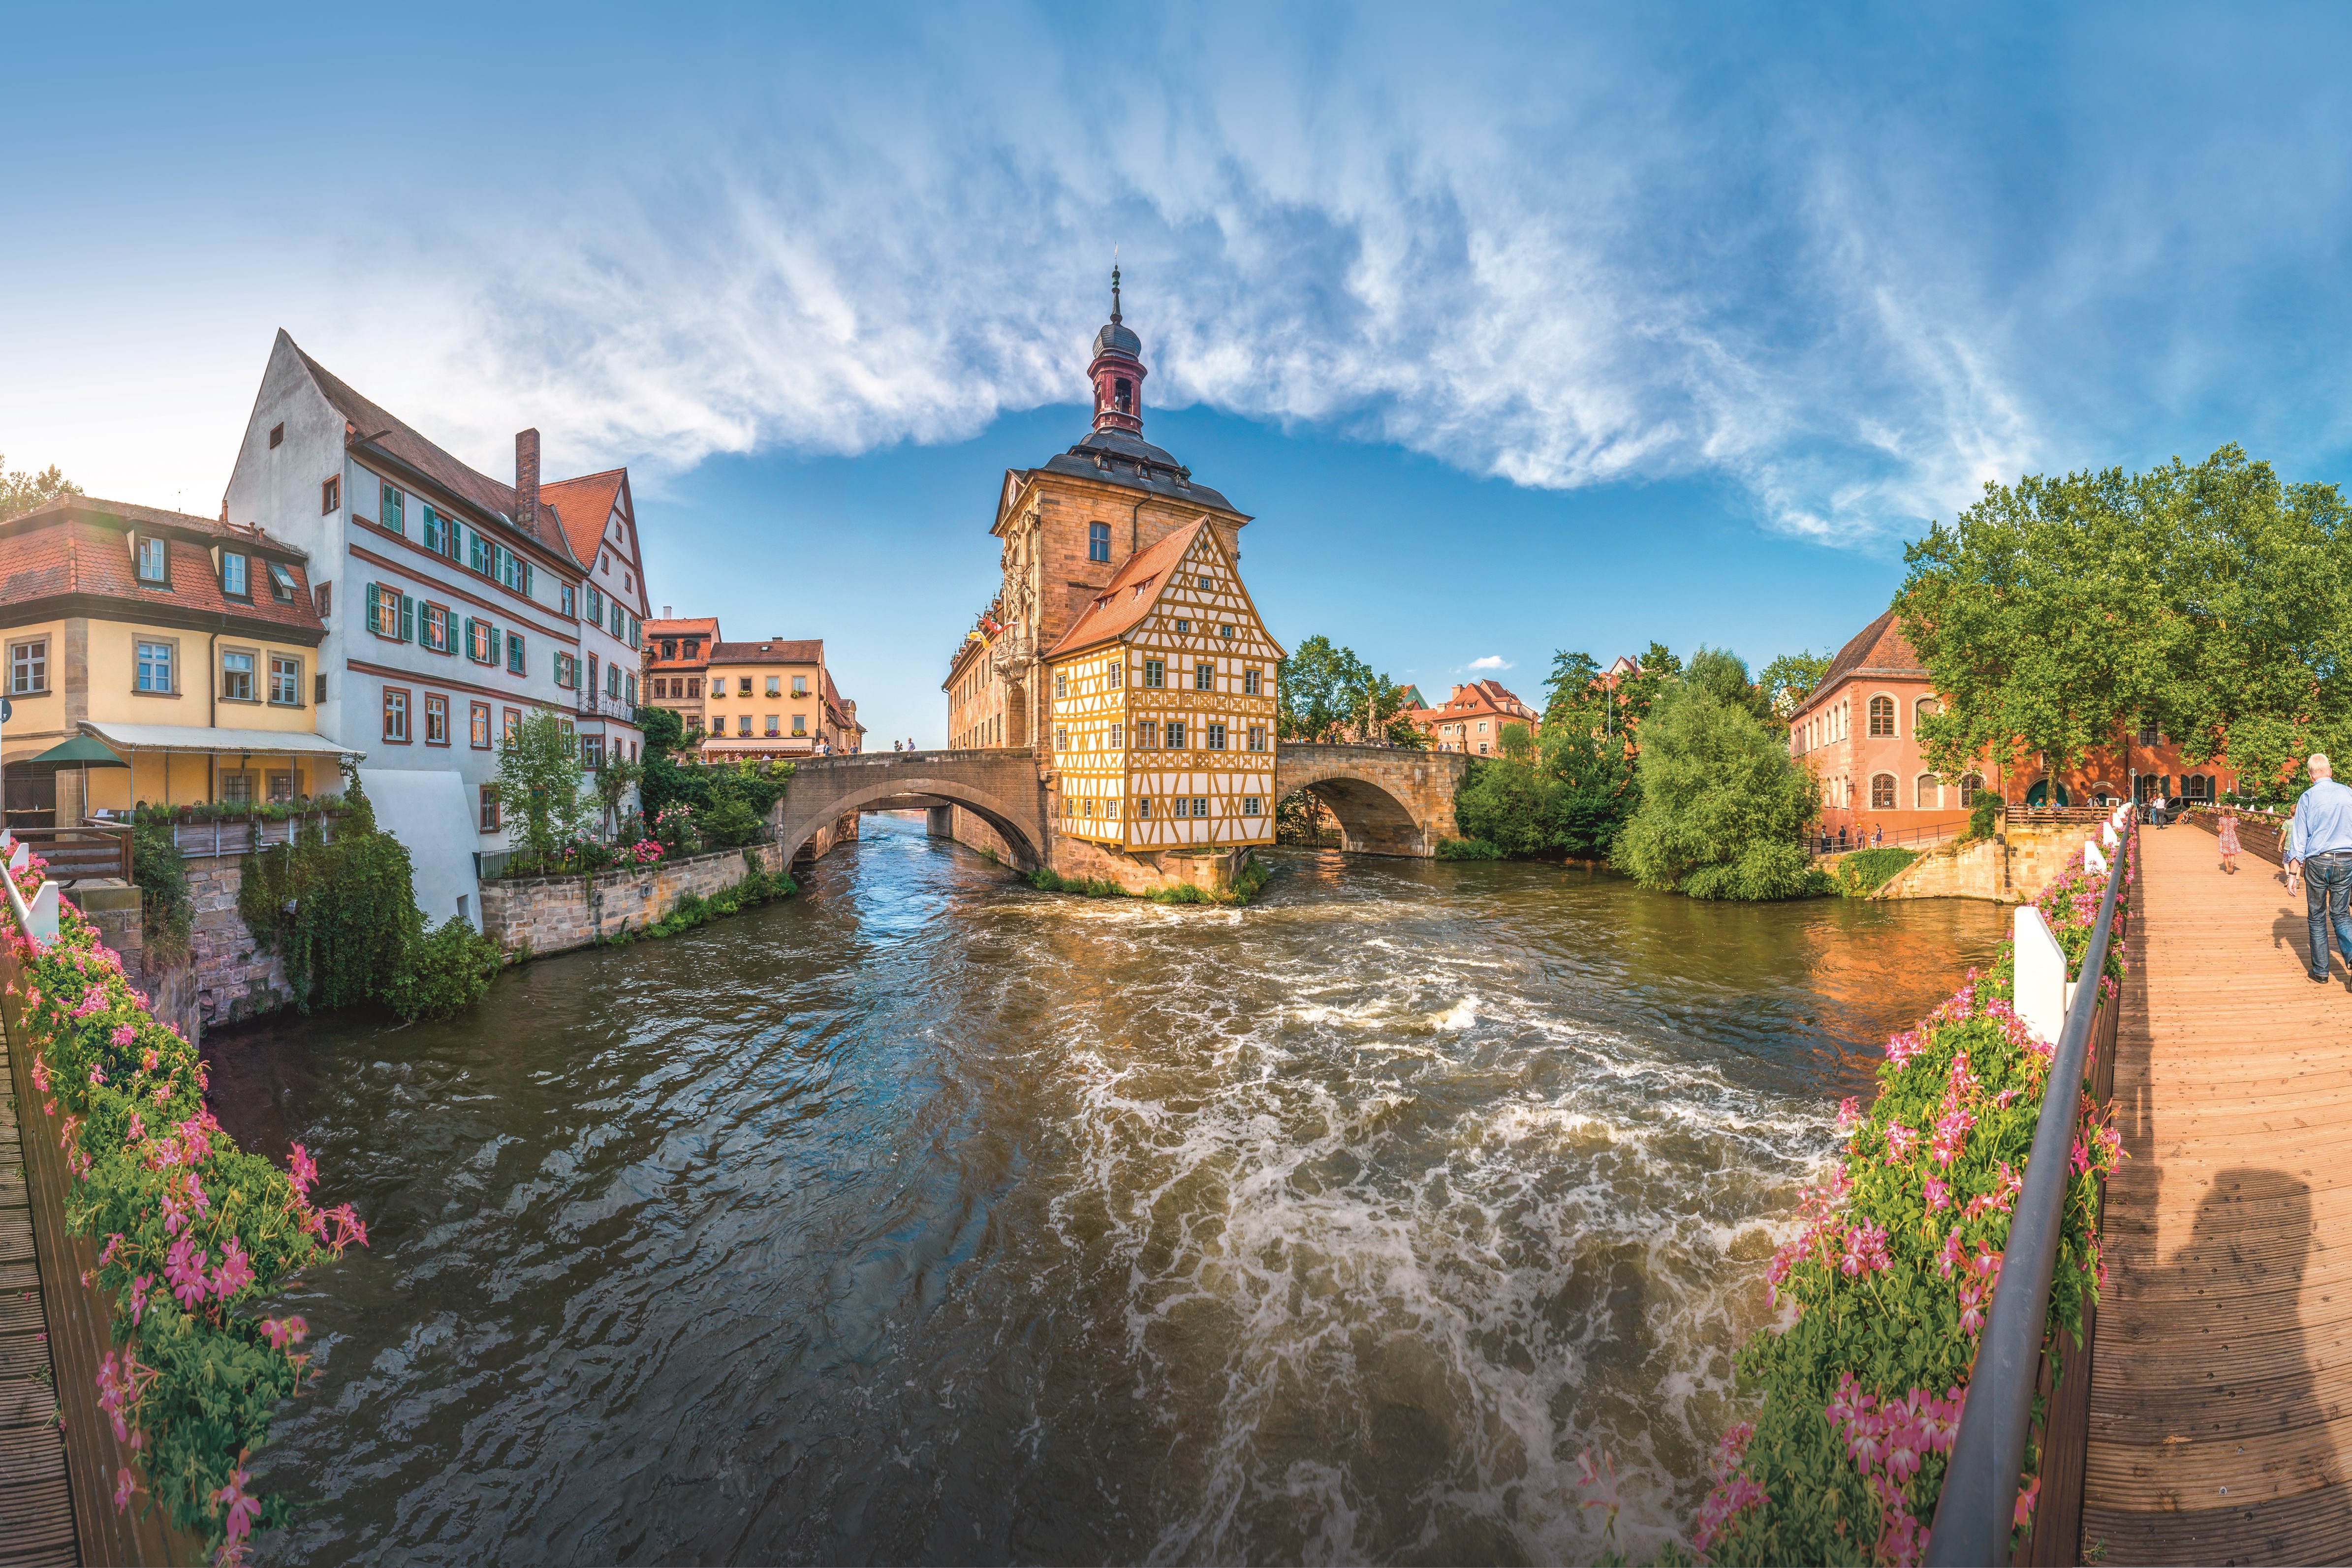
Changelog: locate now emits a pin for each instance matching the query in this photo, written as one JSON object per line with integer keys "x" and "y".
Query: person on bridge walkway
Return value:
{"x": 2229, "y": 834}
{"x": 2319, "y": 847}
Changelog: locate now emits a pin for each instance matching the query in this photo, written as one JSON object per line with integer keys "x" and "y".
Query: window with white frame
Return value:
{"x": 28, "y": 667}
{"x": 285, "y": 681}
{"x": 237, "y": 675}
{"x": 155, "y": 659}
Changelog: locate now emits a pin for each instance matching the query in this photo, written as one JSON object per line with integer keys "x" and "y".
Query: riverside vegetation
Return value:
{"x": 196, "y": 1232}
{"x": 1893, "y": 1276}
{"x": 1679, "y": 776}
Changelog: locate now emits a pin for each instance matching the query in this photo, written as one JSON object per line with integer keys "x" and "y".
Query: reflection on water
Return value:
{"x": 926, "y": 1218}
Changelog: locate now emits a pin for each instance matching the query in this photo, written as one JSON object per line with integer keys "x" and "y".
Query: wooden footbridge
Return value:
{"x": 2221, "y": 1419}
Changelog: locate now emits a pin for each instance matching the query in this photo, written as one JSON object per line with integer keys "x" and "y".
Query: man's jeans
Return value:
{"x": 2328, "y": 893}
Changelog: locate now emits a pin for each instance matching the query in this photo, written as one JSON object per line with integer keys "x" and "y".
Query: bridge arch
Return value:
{"x": 999, "y": 788}
{"x": 1390, "y": 800}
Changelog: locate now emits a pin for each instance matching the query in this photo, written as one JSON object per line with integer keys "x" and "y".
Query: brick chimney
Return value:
{"x": 527, "y": 480}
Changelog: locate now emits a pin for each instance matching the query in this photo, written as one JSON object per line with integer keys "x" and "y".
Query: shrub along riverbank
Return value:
{"x": 1892, "y": 1279}
{"x": 195, "y": 1230}
{"x": 342, "y": 916}
{"x": 1679, "y": 776}
{"x": 1254, "y": 875}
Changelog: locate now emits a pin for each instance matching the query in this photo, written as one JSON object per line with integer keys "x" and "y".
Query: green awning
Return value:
{"x": 81, "y": 752}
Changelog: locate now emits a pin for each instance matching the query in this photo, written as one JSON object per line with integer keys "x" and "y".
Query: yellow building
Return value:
{"x": 188, "y": 645}
{"x": 1163, "y": 705}
{"x": 774, "y": 699}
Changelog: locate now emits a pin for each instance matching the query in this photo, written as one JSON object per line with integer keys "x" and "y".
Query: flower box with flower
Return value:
{"x": 1886, "y": 1289}
{"x": 195, "y": 1230}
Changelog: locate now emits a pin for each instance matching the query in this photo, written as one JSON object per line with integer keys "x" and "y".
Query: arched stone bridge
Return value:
{"x": 1389, "y": 800}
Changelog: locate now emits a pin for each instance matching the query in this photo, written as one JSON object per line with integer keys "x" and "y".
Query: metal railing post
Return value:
{"x": 1976, "y": 1510}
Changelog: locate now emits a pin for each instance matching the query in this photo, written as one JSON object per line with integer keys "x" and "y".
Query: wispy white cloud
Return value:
{"x": 1492, "y": 661}
{"x": 1852, "y": 275}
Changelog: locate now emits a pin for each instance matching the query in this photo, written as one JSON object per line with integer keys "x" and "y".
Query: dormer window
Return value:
{"x": 281, "y": 584}
{"x": 232, "y": 578}
{"x": 153, "y": 560}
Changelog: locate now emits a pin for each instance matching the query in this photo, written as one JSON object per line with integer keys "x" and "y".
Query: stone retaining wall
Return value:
{"x": 1153, "y": 870}
{"x": 2009, "y": 868}
{"x": 555, "y": 914}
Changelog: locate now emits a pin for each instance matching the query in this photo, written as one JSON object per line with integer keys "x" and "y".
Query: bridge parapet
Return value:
{"x": 1390, "y": 800}
{"x": 1000, "y": 786}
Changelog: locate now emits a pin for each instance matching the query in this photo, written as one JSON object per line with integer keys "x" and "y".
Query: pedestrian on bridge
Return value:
{"x": 2229, "y": 834}
{"x": 2319, "y": 847}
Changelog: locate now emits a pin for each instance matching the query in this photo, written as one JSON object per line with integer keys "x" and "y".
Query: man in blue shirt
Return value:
{"x": 2320, "y": 846}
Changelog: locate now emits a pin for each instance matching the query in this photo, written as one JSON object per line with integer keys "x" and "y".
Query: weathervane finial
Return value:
{"x": 1114, "y": 282}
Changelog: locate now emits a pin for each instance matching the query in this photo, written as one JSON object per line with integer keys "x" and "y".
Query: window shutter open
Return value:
{"x": 408, "y": 618}
{"x": 375, "y": 598}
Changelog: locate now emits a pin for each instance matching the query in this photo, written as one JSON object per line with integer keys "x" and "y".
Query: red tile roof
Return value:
{"x": 775, "y": 650}
{"x": 703, "y": 627}
{"x": 252, "y": 535}
{"x": 1481, "y": 697}
{"x": 583, "y": 506}
{"x": 1134, "y": 589}
{"x": 80, "y": 551}
{"x": 685, "y": 625}
{"x": 1879, "y": 648}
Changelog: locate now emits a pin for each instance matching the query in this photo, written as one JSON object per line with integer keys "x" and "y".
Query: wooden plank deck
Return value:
{"x": 2222, "y": 1389}
{"x": 36, "y": 1518}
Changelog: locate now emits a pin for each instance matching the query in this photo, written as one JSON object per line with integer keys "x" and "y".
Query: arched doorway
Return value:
{"x": 2040, "y": 794}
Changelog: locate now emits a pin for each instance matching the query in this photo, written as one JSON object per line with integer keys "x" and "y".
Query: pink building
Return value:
{"x": 1859, "y": 733}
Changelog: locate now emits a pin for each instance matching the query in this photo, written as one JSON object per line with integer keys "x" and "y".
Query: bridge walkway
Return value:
{"x": 2222, "y": 1388}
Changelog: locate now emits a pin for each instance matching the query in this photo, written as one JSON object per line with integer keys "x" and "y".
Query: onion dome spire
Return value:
{"x": 1117, "y": 371}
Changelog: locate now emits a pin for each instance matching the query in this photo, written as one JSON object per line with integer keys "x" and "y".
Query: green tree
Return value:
{"x": 2040, "y": 616}
{"x": 1725, "y": 673}
{"x": 1324, "y": 692}
{"x": 2059, "y": 613}
{"x": 539, "y": 786}
{"x": 1789, "y": 679}
{"x": 612, "y": 786}
{"x": 1565, "y": 790}
{"x": 1723, "y": 807}
{"x": 21, "y": 492}
{"x": 1568, "y": 686}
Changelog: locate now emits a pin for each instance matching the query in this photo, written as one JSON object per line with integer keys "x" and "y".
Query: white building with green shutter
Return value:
{"x": 454, "y": 606}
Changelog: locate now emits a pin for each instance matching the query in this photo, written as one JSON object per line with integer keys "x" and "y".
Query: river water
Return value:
{"x": 925, "y": 1217}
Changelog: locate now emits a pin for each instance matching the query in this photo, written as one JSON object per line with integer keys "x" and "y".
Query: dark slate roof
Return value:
{"x": 1123, "y": 457}
{"x": 372, "y": 424}
{"x": 1118, "y": 338}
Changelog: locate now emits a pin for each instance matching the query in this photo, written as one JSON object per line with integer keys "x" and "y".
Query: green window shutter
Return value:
{"x": 470, "y": 637}
{"x": 408, "y": 618}
{"x": 375, "y": 607}
{"x": 526, "y": 579}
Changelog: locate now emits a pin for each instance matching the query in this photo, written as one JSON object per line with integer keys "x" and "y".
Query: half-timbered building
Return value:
{"x": 1163, "y": 705}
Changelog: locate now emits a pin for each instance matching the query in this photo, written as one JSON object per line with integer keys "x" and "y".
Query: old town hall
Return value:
{"x": 1123, "y": 652}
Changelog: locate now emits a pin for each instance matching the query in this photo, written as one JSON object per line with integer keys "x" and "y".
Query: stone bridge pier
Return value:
{"x": 1390, "y": 800}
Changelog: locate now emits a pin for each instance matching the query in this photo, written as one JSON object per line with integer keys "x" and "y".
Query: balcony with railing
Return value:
{"x": 596, "y": 705}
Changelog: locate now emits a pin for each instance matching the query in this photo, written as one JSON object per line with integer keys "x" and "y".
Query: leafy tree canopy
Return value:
{"x": 1725, "y": 674}
{"x": 21, "y": 492}
{"x": 1723, "y": 807}
{"x": 2058, "y": 614}
{"x": 1327, "y": 693}
{"x": 1789, "y": 679}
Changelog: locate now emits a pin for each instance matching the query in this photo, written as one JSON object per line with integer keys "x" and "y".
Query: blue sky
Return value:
{"x": 1515, "y": 329}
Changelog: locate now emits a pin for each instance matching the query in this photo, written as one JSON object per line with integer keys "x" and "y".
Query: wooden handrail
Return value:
{"x": 80, "y": 854}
